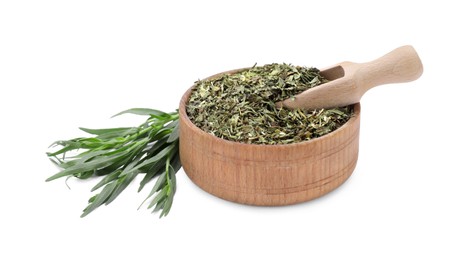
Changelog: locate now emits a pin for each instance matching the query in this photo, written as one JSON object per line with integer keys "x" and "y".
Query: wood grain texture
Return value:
{"x": 350, "y": 81}
{"x": 268, "y": 175}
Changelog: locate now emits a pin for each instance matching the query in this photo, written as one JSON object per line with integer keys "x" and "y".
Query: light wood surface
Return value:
{"x": 268, "y": 174}
{"x": 351, "y": 80}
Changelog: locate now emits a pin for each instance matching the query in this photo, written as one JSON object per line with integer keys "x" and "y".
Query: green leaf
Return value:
{"x": 172, "y": 177}
{"x": 81, "y": 158}
{"x": 131, "y": 158}
{"x": 84, "y": 175}
{"x": 159, "y": 197}
{"x": 159, "y": 168}
{"x": 124, "y": 181}
{"x": 111, "y": 177}
{"x": 173, "y": 124}
{"x": 141, "y": 111}
{"x": 96, "y": 163}
{"x": 106, "y": 130}
{"x": 67, "y": 148}
{"x": 100, "y": 198}
{"x": 155, "y": 158}
{"x": 55, "y": 161}
{"x": 162, "y": 117}
{"x": 90, "y": 200}
{"x": 159, "y": 184}
{"x": 157, "y": 146}
{"x": 174, "y": 134}
{"x": 176, "y": 163}
{"x": 169, "y": 201}
{"x": 158, "y": 207}
{"x": 167, "y": 206}
{"x": 163, "y": 132}
{"x": 109, "y": 133}
{"x": 156, "y": 169}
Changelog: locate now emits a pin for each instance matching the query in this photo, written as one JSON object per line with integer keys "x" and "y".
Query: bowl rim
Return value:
{"x": 183, "y": 116}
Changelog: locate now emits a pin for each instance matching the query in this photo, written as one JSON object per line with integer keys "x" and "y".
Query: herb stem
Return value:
{"x": 117, "y": 155}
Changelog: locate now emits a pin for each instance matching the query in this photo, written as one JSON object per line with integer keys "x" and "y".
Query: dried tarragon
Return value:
{"x": 241, "y": 107}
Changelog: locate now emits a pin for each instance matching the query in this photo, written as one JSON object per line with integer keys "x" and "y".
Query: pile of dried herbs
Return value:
{"x": 241, "y": 107}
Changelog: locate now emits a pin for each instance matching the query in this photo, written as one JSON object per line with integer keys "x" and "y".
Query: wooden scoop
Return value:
{"x": 349, "y": 81}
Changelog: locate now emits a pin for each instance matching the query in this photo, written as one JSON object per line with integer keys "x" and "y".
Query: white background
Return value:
{"x": 65, "y": 64}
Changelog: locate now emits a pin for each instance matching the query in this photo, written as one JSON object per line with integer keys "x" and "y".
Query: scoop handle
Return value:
{"x": 400, "y": 65}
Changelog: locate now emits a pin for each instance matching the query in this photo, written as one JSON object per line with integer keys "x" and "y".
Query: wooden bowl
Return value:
{"x": 268, "y": 175}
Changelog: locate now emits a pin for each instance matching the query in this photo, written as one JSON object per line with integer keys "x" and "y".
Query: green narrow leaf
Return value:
{"x": 162, "y": 117}
{"x": 141, "y": 111}
{"x": 67, "y": 148}
{"x": 122, "y": 185}
{"x": 156, "y": 169}
{"x": 172, "y": 177}
{"x": 57, "y": 163}
{"x": 176, "y": 162}
{"x": 128, "y": 175}
{"x": 106, "y": 130}
{"x": 174, "y": 134}
{"x": 160, "y": 134}
{"x": 98, "y": 162}
{"x": 81, "y": 158}
{"x": 169, "y": 200}
{"x": 90, "y": 165}
{"x": 159, "y": 184}
{"x": 159, "y": 169}
{"x": 158, "y": 207}
{"x": 90, "y": 200}
{"x": 157, "y": 146}
{"x": 99, "y": 199}
{"x": 108, "y": 134}
{"x": 173, "y": 123}
{"x": 156, "y": 158}
{"x": 111, "y": 177}
{"x": 85, "y": 156}
{"x": 117, "y": 164}
{"x": 167, "y": 206}
{"x": 115, "y": 136}
{"x": 83, "y": 175}
{"x": 158, "y": 198}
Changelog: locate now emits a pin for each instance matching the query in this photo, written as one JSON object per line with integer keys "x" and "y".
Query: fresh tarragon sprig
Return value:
{"x": 117, "y": 155}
